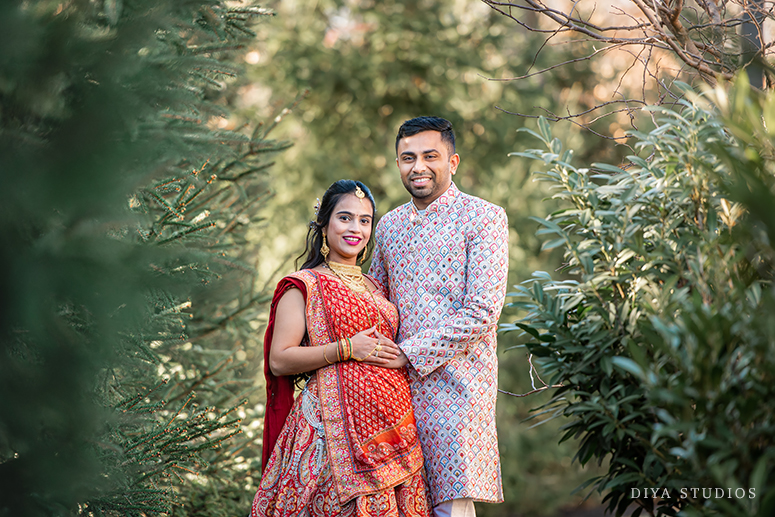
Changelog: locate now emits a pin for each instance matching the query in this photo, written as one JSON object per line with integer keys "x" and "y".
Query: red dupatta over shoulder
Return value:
{"x": 366, "y": 410}
{"x": 279, "y": 390}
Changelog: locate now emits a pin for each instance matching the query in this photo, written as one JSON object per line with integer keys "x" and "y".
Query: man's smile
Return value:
{"x": 420, "y": 181}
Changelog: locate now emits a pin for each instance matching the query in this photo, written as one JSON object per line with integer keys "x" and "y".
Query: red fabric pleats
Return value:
{"x": 279, "y": 390}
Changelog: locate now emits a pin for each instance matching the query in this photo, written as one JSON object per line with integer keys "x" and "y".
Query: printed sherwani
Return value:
{"x": 446, "y": 271}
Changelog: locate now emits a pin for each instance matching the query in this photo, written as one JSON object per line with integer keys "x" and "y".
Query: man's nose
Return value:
{"x": 419, "y": 165}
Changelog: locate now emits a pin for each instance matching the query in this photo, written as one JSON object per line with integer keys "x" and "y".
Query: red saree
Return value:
{"x": 349, "y": 444}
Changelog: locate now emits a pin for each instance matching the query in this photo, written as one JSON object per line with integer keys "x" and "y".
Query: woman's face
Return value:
{"x": 349, "y": 228}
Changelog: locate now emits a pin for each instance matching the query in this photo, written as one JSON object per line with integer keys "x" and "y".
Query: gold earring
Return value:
{"x": 324, "y": 249}
{"x": 363, "y": 257}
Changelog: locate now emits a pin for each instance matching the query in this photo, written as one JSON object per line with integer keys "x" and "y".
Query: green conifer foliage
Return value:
{"x": 127, "y": 277}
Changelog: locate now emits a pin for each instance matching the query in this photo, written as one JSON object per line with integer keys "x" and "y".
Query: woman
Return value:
{"x": 348, "y": 445}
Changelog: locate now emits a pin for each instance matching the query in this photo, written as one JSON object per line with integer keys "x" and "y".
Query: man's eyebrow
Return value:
{"x": 411, "y": 153}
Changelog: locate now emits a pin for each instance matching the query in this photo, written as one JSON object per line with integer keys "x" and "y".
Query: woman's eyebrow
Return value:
{"x": 345, "y": 212}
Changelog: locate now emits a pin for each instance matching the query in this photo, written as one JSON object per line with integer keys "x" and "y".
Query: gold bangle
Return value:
{"x": 349, "y": 348}
{"x": 325, "y": 349}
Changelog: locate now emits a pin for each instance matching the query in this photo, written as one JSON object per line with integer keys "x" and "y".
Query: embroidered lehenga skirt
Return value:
{"x": 299, "y": 478}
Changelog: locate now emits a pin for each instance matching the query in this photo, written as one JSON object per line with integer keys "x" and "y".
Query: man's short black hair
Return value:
{"x": 420, "y": 124}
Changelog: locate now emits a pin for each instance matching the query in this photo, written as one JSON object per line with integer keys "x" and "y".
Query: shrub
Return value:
{"x": 661, "y": 332}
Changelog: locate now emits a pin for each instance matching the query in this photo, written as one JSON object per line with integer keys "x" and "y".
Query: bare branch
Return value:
{"x": 532, "y": 372}
{"x": 532, "y": 392}
{"x": 666, "y": 39}
{"x": 544, "y": 70}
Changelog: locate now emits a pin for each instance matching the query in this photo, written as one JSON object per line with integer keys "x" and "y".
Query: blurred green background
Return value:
{"x": 130, "y": 280}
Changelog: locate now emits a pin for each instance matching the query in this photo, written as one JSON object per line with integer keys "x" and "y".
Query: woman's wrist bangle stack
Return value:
{"x": 344, "y": 349}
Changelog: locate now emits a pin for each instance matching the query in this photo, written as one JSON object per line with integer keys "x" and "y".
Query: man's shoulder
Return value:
{"x": 392, "y": 216}
{"x": 476, "y": 206}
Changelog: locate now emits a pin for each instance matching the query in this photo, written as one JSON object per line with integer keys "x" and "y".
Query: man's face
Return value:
{"x": 426, "y": 166}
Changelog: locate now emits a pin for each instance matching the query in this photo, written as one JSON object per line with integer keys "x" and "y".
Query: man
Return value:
{"x": 444, "y": 258}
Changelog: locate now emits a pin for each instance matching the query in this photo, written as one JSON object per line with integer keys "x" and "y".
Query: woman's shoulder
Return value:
{"x": 303, "y": 280}
{"x": 305, "y": 275}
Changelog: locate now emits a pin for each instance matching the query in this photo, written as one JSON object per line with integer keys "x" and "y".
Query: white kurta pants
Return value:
{"x": 455, "y": 508}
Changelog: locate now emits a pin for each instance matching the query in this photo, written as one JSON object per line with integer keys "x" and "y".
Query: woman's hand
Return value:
{"x": 372, "y": 347}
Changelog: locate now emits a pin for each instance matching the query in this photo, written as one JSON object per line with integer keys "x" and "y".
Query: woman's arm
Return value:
{"x": 288, "y": 357}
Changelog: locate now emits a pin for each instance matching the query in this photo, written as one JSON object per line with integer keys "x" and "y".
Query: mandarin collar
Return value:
{"x": 439, "y": 205}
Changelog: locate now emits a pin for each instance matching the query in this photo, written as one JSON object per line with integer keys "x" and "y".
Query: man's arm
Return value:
{"x": 486, "y": 277}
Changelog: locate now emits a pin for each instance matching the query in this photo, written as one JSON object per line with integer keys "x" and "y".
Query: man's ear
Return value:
{"x": 454, "y": 161}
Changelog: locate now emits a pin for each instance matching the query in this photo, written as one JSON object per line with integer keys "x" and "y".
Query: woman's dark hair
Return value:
{"x": 312, "y": 255}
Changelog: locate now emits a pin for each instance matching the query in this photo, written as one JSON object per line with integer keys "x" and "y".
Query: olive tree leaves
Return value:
{"x": 659, "y": 331}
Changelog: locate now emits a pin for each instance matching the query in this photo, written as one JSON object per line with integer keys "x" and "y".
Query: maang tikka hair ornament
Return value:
{"x": 359, "y": 193}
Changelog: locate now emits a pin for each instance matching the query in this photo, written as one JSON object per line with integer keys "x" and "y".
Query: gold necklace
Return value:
{"x": 352, "y": 278}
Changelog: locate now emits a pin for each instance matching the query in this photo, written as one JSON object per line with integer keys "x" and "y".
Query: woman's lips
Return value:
{"x": 352, "y": 241}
